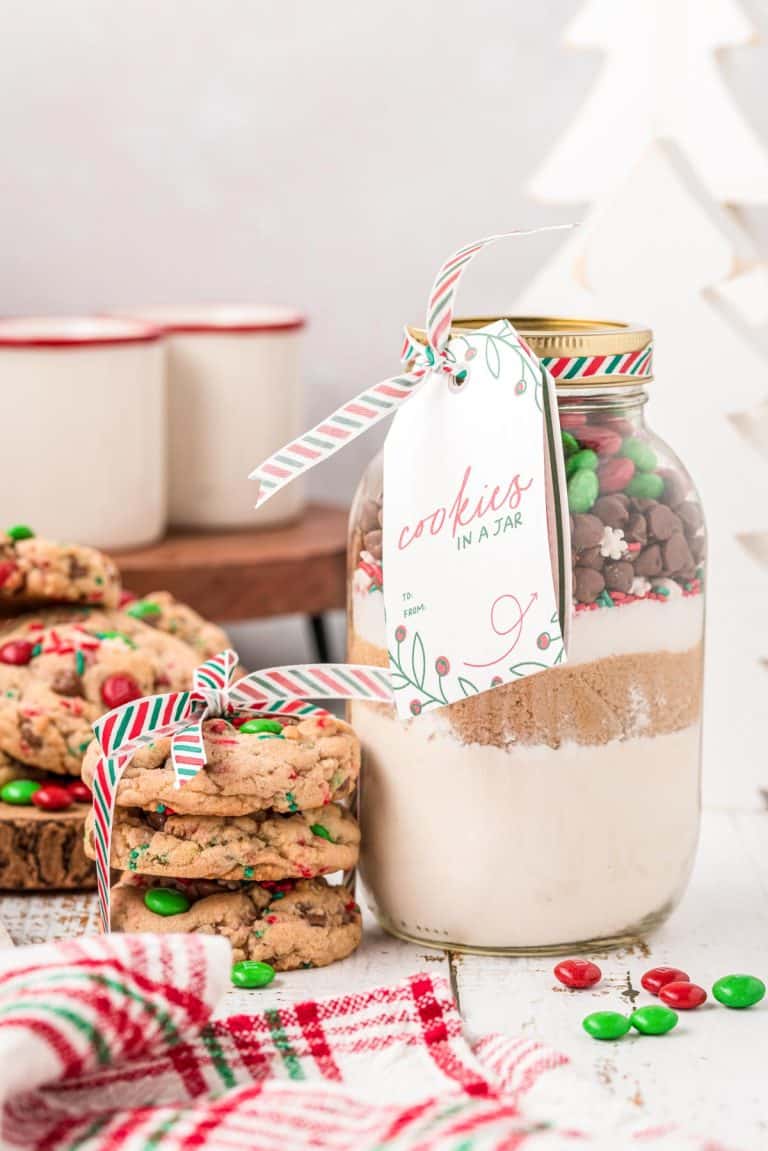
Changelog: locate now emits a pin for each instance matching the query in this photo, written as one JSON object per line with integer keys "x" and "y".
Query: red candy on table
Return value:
{"x": 119, "y": 689}
{"x": 682, "y": 996}
{"x": 51, "y": 797}
{"x": 657, "y": 977}
{"x": 80, "y": 792}
{"x": 578, "y": 973}
{"x": 16, "y": 651}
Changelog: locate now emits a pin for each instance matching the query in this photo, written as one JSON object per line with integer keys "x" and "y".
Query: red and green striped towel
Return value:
{"x": 110, "y": 1043}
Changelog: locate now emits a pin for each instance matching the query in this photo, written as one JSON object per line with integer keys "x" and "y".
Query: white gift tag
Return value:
{"x": 476, "y": 540}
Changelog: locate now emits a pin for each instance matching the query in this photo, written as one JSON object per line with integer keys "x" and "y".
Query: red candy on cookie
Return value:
{"x": 16, "y": 651}
{"x": 655, "y": 979}
{"x": 51, "y": 797}
{"x": 7, "y": 568}
{"x": 119, "y": 689}
{"x": 578, "y": 973}
{"x": 80, "y": 792}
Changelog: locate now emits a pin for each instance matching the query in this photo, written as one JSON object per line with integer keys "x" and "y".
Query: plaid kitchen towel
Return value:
{"x": 108, "y": 1044}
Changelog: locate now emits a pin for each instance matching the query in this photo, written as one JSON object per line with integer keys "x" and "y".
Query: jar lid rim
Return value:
{"x": 566, "y": 336}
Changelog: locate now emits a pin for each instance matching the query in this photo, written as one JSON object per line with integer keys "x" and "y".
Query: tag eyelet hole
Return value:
{"x": 458, "y": 380}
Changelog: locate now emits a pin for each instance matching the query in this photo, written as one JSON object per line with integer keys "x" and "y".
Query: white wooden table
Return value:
{"x": 710, "y": 1074}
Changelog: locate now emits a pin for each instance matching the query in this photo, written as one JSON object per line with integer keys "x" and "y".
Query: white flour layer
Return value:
{"x": 527, "y": 847}
{"x": 644, "y": 626}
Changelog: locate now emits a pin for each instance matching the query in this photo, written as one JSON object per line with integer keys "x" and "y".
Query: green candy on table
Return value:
{"x": 654, "y": 1019}
{"x": 586, "y": 458}
{"x": 606, "y": 1025}
{"x": 143, "y": 608}
{"x": 645, "y": 486}
{"x": 321, "y": 832}
{"x": 262, "y": 727}
{"x": 583, "y": 488}
{"x": 570, "y": 443}
{"x": 250, "y": 973}
{"x": 20, "y": 532}
{"x": 738, "y": 990}
{"x": 641, "y": 455}
{"x": 19, "y": 791}
{"x": 166, "y": 901}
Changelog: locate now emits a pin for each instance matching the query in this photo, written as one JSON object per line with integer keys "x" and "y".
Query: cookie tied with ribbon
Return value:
{"x": 180, "y": 715}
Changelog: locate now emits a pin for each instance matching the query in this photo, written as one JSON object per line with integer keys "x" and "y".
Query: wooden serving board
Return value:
{"x": 43, "y": 850}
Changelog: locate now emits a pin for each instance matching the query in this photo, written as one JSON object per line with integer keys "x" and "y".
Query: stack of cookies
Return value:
{"x": 241, "y": 850}
{"x": 73, "y": 645}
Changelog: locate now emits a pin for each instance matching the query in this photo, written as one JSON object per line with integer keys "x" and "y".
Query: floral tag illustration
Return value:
{"x": 475, "y": 537}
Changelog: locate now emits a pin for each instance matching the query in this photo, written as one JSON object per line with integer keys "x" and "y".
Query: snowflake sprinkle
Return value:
{"x": 640, "y": 587}
{"x": 613, "y": 545}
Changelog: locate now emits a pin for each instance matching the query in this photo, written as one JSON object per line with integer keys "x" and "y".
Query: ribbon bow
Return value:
{"x": 376, "y": 403}
{"x": 180, "y": 715}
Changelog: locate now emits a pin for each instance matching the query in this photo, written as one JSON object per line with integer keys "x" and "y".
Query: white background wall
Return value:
{"x": 321, "y": 154}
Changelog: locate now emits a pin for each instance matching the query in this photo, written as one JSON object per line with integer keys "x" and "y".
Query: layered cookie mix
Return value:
{"x": 579, "y": 785}
{"x": 36, "y": 571}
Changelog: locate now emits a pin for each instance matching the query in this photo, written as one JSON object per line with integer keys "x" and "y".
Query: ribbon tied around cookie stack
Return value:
{"x": 180, "y": 715}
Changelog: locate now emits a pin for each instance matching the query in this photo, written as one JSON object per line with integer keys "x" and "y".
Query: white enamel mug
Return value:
{"x": 84, "y": 405}
{"x": 234, "y": 398}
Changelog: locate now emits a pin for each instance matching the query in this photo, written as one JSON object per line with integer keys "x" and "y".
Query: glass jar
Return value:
{"x": 562, "y": 810}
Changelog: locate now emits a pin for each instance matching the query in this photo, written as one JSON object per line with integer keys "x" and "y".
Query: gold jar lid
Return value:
{"x": 614, "y": 353}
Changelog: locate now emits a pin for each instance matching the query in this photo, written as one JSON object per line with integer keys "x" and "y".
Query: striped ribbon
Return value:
{"x": 366, "y": 410}
{"x": 638, "y": 364}
{"x": 180, "y": 716}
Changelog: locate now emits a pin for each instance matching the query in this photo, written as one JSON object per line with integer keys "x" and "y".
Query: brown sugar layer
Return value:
{"x": 619, "y": 697}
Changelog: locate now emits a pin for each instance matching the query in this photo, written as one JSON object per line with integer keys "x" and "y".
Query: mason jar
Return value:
{"x": 560, "y": 811}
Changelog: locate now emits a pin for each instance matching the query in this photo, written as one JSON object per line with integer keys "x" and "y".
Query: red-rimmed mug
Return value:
{"x": 84, "y": 457}
{"x": 234, "y": 397}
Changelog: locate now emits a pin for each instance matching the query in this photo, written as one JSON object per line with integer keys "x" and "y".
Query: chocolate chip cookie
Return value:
{"x": 304, "y": 923}
{"x": 61, "y": 670}
{"x": 160, "y": 610}
{"x": 308, "y": 764}
{"x": 264, "y": 846}
{"x": 37, "y": 571}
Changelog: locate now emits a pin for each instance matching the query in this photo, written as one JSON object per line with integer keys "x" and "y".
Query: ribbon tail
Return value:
{"x": 264, "y": 689}
{"x": 107, "y": 776}
{"x": 447, "y": 281}
{"x": 339, "y": 429}
{"x": 188, "y": 751}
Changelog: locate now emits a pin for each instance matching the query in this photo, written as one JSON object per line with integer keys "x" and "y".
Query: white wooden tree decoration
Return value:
{"x": 658, "y": 151}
